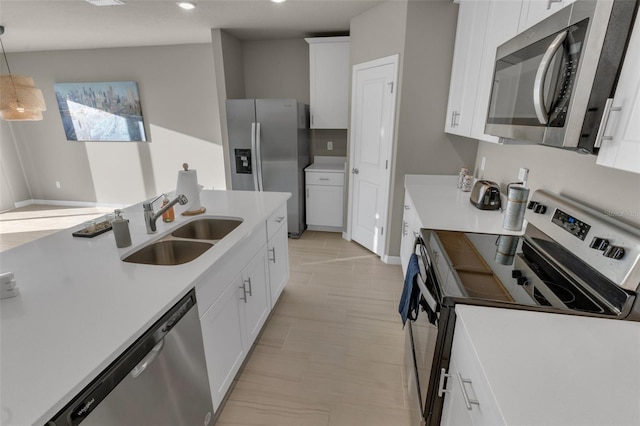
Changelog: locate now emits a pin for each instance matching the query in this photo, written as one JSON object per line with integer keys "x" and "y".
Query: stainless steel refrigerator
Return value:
{"x": 269, "y": 149}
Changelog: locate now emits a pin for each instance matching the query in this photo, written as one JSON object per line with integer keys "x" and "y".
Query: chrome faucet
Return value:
{"x": 150, "y": 216}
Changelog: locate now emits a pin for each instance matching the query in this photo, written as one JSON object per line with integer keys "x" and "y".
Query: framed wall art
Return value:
{"x": 102, "y": 111}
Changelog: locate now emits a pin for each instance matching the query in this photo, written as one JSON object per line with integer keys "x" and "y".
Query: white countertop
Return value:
{"x": 80, "y": 306}
{"x": 551, "y": 369}
{"x": 440, "y": 205}
{"x": 327, "y": 164}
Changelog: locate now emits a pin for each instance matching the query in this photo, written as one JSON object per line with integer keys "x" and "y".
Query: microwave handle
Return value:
{"x": 538, "y": 84}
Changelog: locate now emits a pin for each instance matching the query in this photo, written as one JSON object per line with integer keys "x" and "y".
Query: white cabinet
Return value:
{"x": 534, "y": 11}
{"x": 325, "y": 200}
{"x": 235, "y": 299}
{"x": 224, "y": 340}
{"x": 329, "y": 82}
{"x": 278, "y": 256}
{"x": 620, "y": 147}
{"x": 410, "y": 228}
{"x": 467, "y": 55}
{"x": 468, "y": 399}
{"x": 502, "y": 25}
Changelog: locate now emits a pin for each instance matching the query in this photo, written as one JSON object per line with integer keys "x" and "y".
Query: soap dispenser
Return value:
{"x": 121, "y": 232}
{"x": 169, "y": 215}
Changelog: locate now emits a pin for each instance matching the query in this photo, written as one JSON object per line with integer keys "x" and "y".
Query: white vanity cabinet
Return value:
{"x": 278, "y": 253}
{"x": 620, "y": 147}
{"x": 329, "y": 82}
{"x": 325, "y": 197}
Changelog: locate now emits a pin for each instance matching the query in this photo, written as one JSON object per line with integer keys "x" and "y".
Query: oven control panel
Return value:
{"x": 574, "y": 226}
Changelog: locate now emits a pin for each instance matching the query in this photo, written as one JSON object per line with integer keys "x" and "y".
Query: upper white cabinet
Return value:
{"x": 482, "y": 27}
{"x": 620, "y": 147}
{"x": 329, "y": 81}
{"x": 534, "y": 11}
{"x": 467, "y": 55}
{"x": 502, "y": 25}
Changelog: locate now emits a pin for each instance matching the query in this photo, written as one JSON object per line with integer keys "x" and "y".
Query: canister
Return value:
{"x": 516, "y": 205}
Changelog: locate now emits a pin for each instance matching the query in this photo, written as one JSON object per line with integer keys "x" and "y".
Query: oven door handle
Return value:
{"x": 538, "y": 84}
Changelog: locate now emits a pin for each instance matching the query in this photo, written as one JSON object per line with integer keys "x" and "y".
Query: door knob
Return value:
{"x": 355, "y": 171}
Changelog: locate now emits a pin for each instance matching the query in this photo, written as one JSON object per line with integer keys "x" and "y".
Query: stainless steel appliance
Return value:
{"x": 571, "y": 260}
{"x": 551, "y": 82}
{"x": 160, "y": 380}
{"x": 269, "y": 149}
{"x": 485, "y": 195}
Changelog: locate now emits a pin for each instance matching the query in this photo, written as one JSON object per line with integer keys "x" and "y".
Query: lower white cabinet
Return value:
{"x": 410, "y": 228}
{"x": 224, "y": 340}
{"x": 325, "y": 200}
{"x": 278, "y": 259}
{"x": 243, "y": 289}
{"x": 468, "y": 399}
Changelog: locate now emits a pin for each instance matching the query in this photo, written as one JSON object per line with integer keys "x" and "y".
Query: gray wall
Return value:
{"x": 423, "y": 33}
{"x": 276, "y": 69}
{"x": 565, "y": 172}
{"x": 14, "y": 186}
{"x": 178, "y": 97}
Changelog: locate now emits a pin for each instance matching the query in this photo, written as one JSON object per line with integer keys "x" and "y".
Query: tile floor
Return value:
{"x": 332, "y": 353}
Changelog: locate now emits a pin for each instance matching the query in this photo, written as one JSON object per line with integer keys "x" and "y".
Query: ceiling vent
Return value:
{"x": 106, "y": 2}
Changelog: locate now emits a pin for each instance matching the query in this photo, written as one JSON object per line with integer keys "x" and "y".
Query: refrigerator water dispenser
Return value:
{"x": 243, "y": 161}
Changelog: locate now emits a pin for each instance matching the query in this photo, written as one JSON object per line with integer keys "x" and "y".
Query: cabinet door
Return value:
{"x": 223, "y": 337}
{"x": 467, "y": 56}
{"x": 620, "y": 147}
{"x": 534, "y": 11}
{"x": 278, "y": 255}
{"x": 406, "y": 243}
{"x": 502, "y": 25}
{"x": 324, "y": 205}
{"x": 329, "y": 82}
{"x": 256, "y": 297}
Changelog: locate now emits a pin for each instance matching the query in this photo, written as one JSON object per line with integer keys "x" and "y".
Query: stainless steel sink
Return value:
{"x": 169, "y": 252}
{"x": 207, "y": 228}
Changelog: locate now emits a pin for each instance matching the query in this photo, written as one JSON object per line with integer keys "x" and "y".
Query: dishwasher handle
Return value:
{"x": 148, "y": 359}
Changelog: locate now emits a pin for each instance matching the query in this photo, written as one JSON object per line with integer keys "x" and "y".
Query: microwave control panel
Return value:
{"x": 574, "y": 226}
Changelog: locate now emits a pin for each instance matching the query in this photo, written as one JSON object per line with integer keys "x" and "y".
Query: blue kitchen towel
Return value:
{"x": 408, "y": 307}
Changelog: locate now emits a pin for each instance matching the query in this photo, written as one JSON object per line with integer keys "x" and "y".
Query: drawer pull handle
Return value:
{"x": 467, "y": 401}
{"x": 273, "y": 250}
{"x": 248, "y": 281}
{"x": 324, "y": 178}
{"x": 443, "y": 376}
{"x": 280, "y": 219}
{"x": 244, "y": 292}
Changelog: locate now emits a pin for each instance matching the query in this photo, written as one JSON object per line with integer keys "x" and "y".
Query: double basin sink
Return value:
{"x": 185, "y": 243}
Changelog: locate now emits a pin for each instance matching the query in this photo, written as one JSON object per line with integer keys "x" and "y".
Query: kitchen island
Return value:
{"x": 81, "y": 306}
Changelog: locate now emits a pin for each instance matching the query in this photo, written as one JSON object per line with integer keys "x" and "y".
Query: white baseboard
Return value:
{"x": 391, "y": 260}
{"x": 68, "y": 204}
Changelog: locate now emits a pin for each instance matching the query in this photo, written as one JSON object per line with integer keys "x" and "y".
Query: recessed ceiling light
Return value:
{"x": 278, "y": 1}
{"x": 186, "y": 5}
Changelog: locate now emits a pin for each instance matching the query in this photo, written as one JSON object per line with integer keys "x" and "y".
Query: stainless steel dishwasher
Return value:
{"x": 161, "y": 379}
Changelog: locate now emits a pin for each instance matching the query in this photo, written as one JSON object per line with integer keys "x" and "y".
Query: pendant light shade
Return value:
{"x": 20, "y": 100}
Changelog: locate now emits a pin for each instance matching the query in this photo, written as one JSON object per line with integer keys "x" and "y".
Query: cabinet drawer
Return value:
{"x": 325, "y": 178}
{"x": 276, "y": 220}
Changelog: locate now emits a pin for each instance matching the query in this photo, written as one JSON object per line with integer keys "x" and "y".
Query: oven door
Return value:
{"x": 421, "y": 336}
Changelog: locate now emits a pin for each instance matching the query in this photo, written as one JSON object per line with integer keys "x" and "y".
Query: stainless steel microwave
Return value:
{"x": 551, "y": 82}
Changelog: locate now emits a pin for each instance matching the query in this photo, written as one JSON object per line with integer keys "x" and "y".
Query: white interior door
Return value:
{"x": 372, "y": 119}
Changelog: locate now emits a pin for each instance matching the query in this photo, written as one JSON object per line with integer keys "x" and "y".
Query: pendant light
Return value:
{"x": 20, "y": 100}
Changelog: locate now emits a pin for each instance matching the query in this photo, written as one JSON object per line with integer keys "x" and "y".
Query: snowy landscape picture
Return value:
{"x": 104, "y": 111}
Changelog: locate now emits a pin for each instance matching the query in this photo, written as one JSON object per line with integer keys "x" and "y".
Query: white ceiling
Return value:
{"x": 33, "y": 25}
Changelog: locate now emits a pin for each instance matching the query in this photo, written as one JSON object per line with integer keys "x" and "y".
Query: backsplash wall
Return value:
{"x": 577, "y": 176}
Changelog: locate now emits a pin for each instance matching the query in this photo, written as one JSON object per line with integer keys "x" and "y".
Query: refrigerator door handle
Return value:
{"x": 258, "y": 154}
{"x": 254, "y": 155}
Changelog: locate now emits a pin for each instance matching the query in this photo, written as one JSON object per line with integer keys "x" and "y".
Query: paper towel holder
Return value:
{"x": 194, "y": 195}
